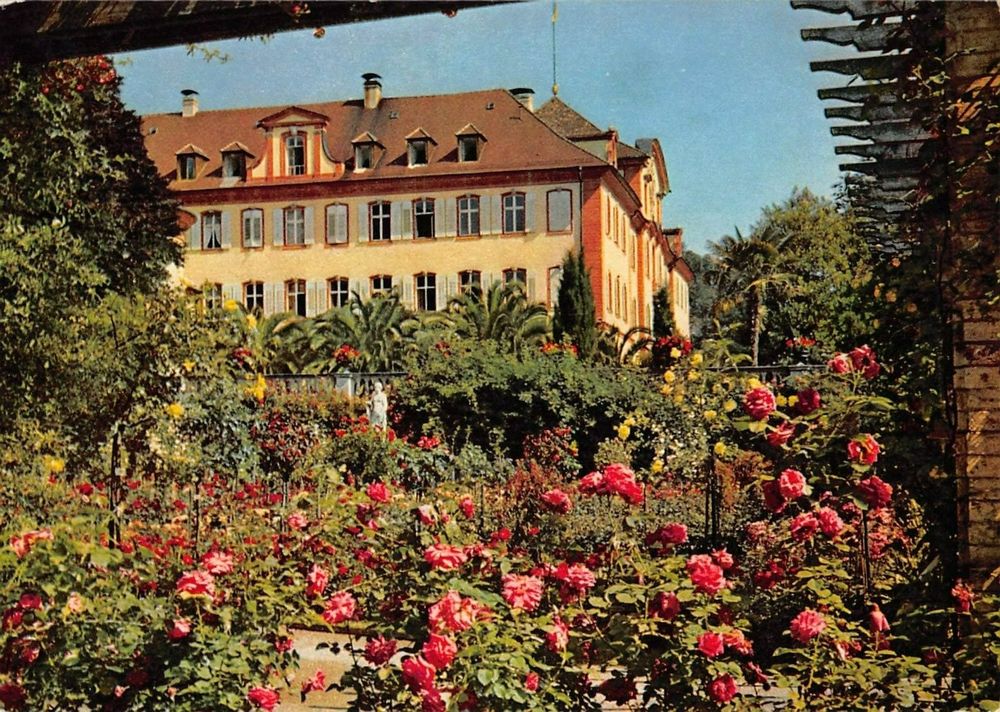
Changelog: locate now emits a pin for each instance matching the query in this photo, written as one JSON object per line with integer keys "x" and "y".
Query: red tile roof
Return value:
{"x": 516, "y": 139}
{"x": 566, "y": 121}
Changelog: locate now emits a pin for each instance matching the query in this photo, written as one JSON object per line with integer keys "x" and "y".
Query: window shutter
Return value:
{"x": 531, "y": 290}
{"x": 279, "y": 228}
{"x": 439, "y": 217}
{"x": 496, "y": 214}
{"x": 440, "y": 293}
{"x": 395, "y": 219}
{"x": 356, "y": 288}
{"x": 227, "y": 230}
{"x": 269, "y": 299}
{"x": 310, "y": 225}
{"x": 488, "y": 280}
{"x": 529, "y": 211}
{"x": 194, "y": 234}
{"x": 312, "y": 298}
{"x": 451, "y": 288}
{"x": 363, "y": 222}
{"x": 231, "y": 291}
{"x": 336, "y": 220}
{"x": 450, "y": 218}
{"x": 406, "y": 221}
{"x": 407, "y": 282}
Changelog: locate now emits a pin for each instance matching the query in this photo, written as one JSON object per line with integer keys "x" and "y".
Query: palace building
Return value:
{"x": 293, "y": 208}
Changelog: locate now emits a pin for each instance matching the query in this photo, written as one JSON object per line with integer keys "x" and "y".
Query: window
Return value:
{"x": 417, "y": 153}
{"x": 295, "y": 155}
{"x": 253, "y": 227}
{"x": 468, "y": 148}
{"x": 213, "y": 296}
{"x": 513, "y": 212}
{"x": 560, "y": 210}
{"x": 187, "y": 166}
{"x": 381, "y": 284}
{"x": 470, "y": 281}
{"x": 234, "y": 164}
{"x": 423, "y": 217}
{"x": 211, "y": 231}
{"x": 336, "y": 224}
{"x": 253, "y": 296}
{"x": 515, "y": 274}
{"x": 295, "y": 296}
{"x": 426, "y": 292}
{"x": 295, "y": 226}
{"x": 364, "y": 156}
{"x": 380, "y": 221}
{"x": 339, "y": 294}
{"x": 468, "y": 215}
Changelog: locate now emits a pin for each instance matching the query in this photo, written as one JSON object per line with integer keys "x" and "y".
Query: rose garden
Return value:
{"x": 557, "y": 519}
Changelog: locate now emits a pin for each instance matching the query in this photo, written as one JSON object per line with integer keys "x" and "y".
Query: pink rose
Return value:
{"x": 875, "y": 492}
{"x": 781, "y": 434}
{"x": 830, "y": 522}
{"x": 217, "y": 563}
{"x": 803, "y": 526}
{"x": 791, "y": 484}
{"x": 418, "y": 674}
{"x": 863, "y": 360}
{"x": 445, "y": 557}
{"x": 379, "y": 651}
{"x": 522, "y": 592}
{"x": 339, "y": 608}
{"x": 668, "y": 535}
{"x": 759, "y": 403}
{"x": 468, "y": 507}
{"x": 316, "y": 683}
{"x": 557, "y": 639}
{"x": 712, "y": 645}
{"x": 807, "y": 625}
{"x": 840, "y": 363}
{"x": 378, "y": 492}
{"x": 555, "y": 500}
{"x": 454, "y": 613}
{"x": 181, "y": 629}
{"x": 263, "y": 698}
{"x": 196, "y": 583}
{"x": 723, "y": 558}
{"x": 722, "y": 689}
{"x": 576, "y": 580}
{"x": 316, "y": 581}
{"x": 297, "y": 521}
{"x": 439, "y": 651}
{"x": 877, "y": 620}
{"x": 864, "y": 450}
{"x": 705, "y": 574}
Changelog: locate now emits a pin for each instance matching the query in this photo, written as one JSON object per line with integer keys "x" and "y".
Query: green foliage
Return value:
{"x": 575, "y": 317}
{"x": 701, "y": 296}
{"x": 662, "y": 321}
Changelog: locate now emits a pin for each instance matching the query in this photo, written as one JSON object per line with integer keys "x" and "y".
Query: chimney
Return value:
{"x": 373, "y": 90}
{"x": 526, "y": 96}
{"x": 189, "y": 105}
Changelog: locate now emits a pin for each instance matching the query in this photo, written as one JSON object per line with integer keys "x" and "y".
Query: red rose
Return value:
{"x": 431, "y": 701}
{"x": 522, "y": 592}
{"x": 723, "y": 558}
{"x": 863, "y": 361}
{"x": 781, "y": 434}
{"x": 664, "y": 605}
{"x": 531, "y": 681}
{"x": 418, "y": 674}
{"x": 840, "y": 363}
{"x": 722, "y": 689}
{"x": 181, "y": 628}
{"x": 705, "y": 574}
{"x": 317, "y": 580}
{"x": 379, "y": 651}
{"x": 30, "y": 601}
{"x": 864, "y": 450}
{"x": 620, "y": 480}
{"x": 316, "y": 683}
{"x": 196, "y": 583}
{"x": 875, "y": 492}
{"x": 263, "y": 698}
{"x": 809, "y": 401}
{"x": 439, "y": 651}
{"x": 12, "y": 696}
{"x": 378, "y": 492}
{"x": 963, "y": 597}
{"x": 455, "y": 613}
{"x": 557, "y": 639}
{"x": 589, "y": 484}
{"x": 830, "y": 522}
{"x": 773, "y": 500}
{"x": 791, "y": 484}
{"x": 339, "y": 608}
{"x": 877, "y": 620}
{"x": 803, "y": 526}
{"x": 668, "y": 535}
{"x": 618, "y": 689}
{"x": 217, "y": 563}
{"x": 807, "y": 625}
{"x": 445, "y": 557}
{"x": 468, "y": 507}
{"x": 759, "y": 403}
{"x": 712, "y": 645}
{"x": 555, "y": 500}
{"x": 576, "y": 580}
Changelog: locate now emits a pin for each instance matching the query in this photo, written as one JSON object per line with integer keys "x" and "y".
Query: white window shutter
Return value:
{"x": 194, "y": 234}
{"x": 231, "y": 291}
{"x": 312, "y": 298}
{"x": 278, "y": 216}
{"x": 529, "y": 211}
{"x": 451, "y": 286}
{"x": 395, "y": 219}
{"x": 439, "y": 217}
{"x": 356, "y": 288}
{"x": 227, "y": 230}
{"x": 406, "y": 220}
{"x": 496, "y": 214}
{"x": 336, "y": 224}
{"x": 270, "y": 297}
{"x": 363, "y": 222}
{"x": 488, "y": 280}
{"x": 440, "y": 293}
{"x": 450, "y": 218}
{"x": 407, "y": 282}
{"x": 531, "y": 290}
{"x": 310, "y": 225}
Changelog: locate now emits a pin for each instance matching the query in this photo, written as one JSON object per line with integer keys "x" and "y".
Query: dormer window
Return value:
{"x": 367, "y": 151}
{"x": 418, "y": 148}
{"x": 470, "y": 143}
{"x": 234, "y": 165}
{"x": 418, "y": 153}
{"x": 295, "y": 155}
{"x": 189, "y": 161}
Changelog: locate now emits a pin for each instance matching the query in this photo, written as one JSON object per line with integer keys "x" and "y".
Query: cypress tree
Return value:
{"x": 574, "y": 315}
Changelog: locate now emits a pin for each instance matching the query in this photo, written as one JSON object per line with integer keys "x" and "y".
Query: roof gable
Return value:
{"x": 294, "y": 116}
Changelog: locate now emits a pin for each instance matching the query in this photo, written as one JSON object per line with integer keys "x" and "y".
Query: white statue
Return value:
{"x": 377, "y": 407}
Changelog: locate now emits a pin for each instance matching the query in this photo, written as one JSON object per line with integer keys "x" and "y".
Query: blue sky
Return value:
{"x": 724, "y": 84}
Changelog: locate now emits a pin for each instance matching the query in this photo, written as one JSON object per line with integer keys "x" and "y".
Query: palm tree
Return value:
{"x": 745, "y": 270}
{"x": 372, "y": 327}
{"x": 502, "y": 314}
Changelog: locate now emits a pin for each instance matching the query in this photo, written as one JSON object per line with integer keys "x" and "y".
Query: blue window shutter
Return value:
{"x": 279, "y": 226}
{"x": 363, "y": 222}
{"x": 310, "y": 225}
{"x": 194, "y": 234}
{"x": 227, "y": 230}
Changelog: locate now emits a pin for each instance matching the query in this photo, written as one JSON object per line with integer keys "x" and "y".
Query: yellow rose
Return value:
{"x": 258, "y": 389}
{"x": 792, "y": 401}
{"x": 623, "y": 431}
{"x": 693, "y": 375}
{"x": 251, "y": 321}
{"x": 630, "y": 421}
{"x": 719, "y": 449}
{"x": 188, "y": 365}
{"x": 697, "y": 358}
{"x": 675, "y": 352}
{"x": 754, "y": 382}
{"x": 53, "y": 465}
{"x": 666, "y": 389}
{"x": 657, "y": 466}
{"x": 230, "y": 305}
{"x": 711, "y": 415}
{"x": 669, "y": 376}
{"x": 679, "y": 398}
{"x": 780, "y": 401}
{"x": 174, "y": 410}
{"x": 877, "y": 291}
{"x": 729, "y": 406}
